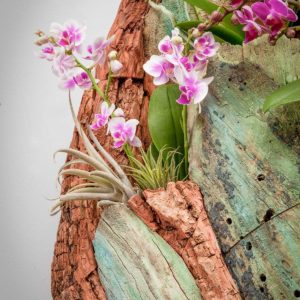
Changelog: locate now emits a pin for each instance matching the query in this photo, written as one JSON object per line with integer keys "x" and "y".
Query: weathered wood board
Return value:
{"x": 248, "y": 176}
{"x": 136, "y": 263}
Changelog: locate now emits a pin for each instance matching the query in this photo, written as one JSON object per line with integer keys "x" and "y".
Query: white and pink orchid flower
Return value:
{"x": 115, "y": 65}
{"x": 193, "y": 87}
{"x": 70, "y": 35}
{"x": 206, "y": 46}
{"x": 63, "y": 64}
{"x": 81, "y": 80}
{"x": 96, "y": 51}
{"x": 105, "y": 113}
{"x": 48, "y": 52}
{"x": 160, "y": 68}
{"x": 123, "y": 132}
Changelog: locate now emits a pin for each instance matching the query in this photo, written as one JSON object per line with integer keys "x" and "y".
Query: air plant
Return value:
{"x": 107, "y": 183}
{"x": 154, "y": 173}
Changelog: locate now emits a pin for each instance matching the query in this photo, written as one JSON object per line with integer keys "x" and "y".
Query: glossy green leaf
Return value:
{"x": 203, "y": 4}
{"x": 164, "y": 118}
{"x": 283, "y": 95}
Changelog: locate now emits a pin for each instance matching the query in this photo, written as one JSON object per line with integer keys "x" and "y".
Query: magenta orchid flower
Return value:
{"x": 193, "y": 87}
{"x": 206, "y": 46}
{"x": 123, "y": 132}
{"x": 105, "y": 113}
{"x": 63, "y": 64}
{"x": 96, "y": 51}
{"x": 236, "y": 3}
{"x": 70, "y": 35}
{"x": 48, "y": 52}
{"x": 247, "y": 17}
{"x": 160, "y": 68}
{"x": 274, "y": 14}
{"x": 168, "y": 45}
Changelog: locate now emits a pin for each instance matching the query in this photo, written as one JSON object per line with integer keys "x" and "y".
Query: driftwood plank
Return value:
{"x": 248, "y": 176}
{"x": 136, "y": 263}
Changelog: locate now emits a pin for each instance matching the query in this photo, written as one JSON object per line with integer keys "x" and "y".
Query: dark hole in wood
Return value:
{"x": 263, "y": 277}
{"x": 190, "y": 206}
{"x": 261, "y": 289}
{"x": 245, "y": 83}
{"x": 229, "y": 221}
{"x": 269, "y": 214}
{"x": 248, "y": 246}
{"x": 297, "y": 294}
{"x": 261, "y": 177}
{"x": 229, "y": 79}
{"x": 241, "y": 237}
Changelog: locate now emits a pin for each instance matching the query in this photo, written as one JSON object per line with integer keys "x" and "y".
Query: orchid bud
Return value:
{"x": 176, "y": 40}
{"x": 216, "y": 16}
{"x": 202, "y": 27}
{"x": 42, "y": 41}
{"x": 196, "y": 33}
{"x": 113, "y": 55}
{"x": 39, "y": 33}
{"x": 235, "y": 20}
{"x": 290, "y": 33}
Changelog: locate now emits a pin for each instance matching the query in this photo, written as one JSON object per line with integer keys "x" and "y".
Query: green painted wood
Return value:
{"x": 136, "y": 263}
{"x": 247, "y": 175}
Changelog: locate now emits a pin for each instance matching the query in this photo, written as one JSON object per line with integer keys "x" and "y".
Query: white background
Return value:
{"x": 34, "y": 123}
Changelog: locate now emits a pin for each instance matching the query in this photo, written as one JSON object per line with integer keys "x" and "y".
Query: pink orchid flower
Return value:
{"x": 160, "y": 68}
{"x": 194, "y": 88}
{"x": 63, "y": 64}
{"x": 274, "y": 13}
{"x": 123, "y": 132}
{"x": 70, "y": 35}
{"x": 115, "y": 65}
{"x": 206, "y": 46}
{"x": 168, "y": 45}
{"x": 48, "y": 52}
{"x": 81, "y": 80}
{"x": 252, "y": 28}
{"x": 236, "y": 3}
{"x": 96, "y": 51}
{"x": 105, "y": 113}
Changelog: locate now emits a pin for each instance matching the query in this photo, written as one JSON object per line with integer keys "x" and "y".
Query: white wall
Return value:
{"x": 34, "y": 122}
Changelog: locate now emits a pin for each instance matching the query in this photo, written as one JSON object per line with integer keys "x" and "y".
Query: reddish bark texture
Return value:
{"x": 74, "y": 268}
{"x": 178, "y": 215}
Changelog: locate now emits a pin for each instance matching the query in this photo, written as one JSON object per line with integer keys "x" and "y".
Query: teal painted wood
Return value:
{"x": 249, "y": 179}
{"x": 136, "y": 263}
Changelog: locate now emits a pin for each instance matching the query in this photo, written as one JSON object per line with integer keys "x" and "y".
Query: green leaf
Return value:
{"x": 203, "y": 4}
{"x": 164, "y": 118}
{"x": 283, "y": 95}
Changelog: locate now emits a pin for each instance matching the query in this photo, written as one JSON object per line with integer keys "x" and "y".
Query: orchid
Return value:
{"x": 48, "y": 52}
{"x": 206, "y": 46}
{"x": 81, "y": 80}
{"x": 96, "y": 51}
{"x": 160, "y": 68}
{"x": 105, "y": 113}
{"x": 63, "y": 64}
{"x": 70, "y": 35}
{"x": 115, "y": 66}
{"x": 274, "y": 13}
{"x": 123, "y": 132}
{"x": 252, "y": 28}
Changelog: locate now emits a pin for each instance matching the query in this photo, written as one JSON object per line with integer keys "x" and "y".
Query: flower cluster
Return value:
{"x": 268, "y": 17}
{"x": 186, "y": 68}
{"x": 123, "y": 132}
{"x": 63, "y": 47}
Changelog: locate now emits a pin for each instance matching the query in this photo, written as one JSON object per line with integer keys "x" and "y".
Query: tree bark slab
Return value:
{"x": 178, "y": 215}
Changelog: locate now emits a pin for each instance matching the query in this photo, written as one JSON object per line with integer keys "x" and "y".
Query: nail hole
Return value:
{"x": 297, "y": 294}
{"x": 269, "y": 214}
{"x": 261, "y": 177}
{"x": 261, "y": 289}
{"x": 263, "y": 277}
{"x": 248, "y": 246}
{"x": 229, "y": 221}
{"x": 190, "y": 206}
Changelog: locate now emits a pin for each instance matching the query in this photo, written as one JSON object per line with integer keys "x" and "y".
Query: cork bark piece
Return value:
{"x": 74, "y": 268}
{"x": 178, "y": 215}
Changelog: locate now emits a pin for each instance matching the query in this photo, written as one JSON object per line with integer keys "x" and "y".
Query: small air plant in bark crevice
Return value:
{"x": 106, "y": 183}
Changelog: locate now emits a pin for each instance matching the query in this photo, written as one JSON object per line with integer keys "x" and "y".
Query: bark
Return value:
{"x": 74, "y": 268}
{"x": 178, "y": 215}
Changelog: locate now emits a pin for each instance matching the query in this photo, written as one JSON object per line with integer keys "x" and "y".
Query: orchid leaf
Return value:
{"x": 283, "y": 95}
{"x": 164, "y": 118}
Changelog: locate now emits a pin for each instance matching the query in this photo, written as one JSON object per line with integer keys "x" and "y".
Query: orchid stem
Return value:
{"x": 108, "y": 83}
{"x": 128, "y": 152}
{"x": 185, "y": 138}
{"x": 95, "y": 85}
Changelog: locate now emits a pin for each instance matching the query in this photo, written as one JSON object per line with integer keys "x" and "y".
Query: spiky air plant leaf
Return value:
{"x": 154, "y": 173}
{"x": 107, "y": 183}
